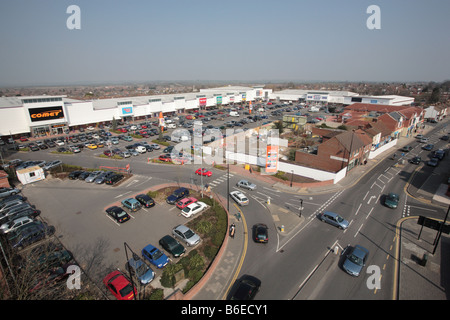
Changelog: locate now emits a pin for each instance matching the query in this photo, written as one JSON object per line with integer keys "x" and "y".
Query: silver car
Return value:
{"x": 334, "y": 219}
{"x": 187, "y": 235}
{"x": 246, "y": 185}
{"x": 93, "y": 176}
{"x": 239, "y": 197}
{"x": 16, "y": 223}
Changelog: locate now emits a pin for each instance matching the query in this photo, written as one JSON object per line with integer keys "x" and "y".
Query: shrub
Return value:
{"x": 156, "y": 294}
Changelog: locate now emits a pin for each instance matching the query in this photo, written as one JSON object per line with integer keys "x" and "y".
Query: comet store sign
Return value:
{"x": 45, "y": 114}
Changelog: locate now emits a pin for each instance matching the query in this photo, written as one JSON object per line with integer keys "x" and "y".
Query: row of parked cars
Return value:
{"x": 19, "y": 225}
{"x": 97, "y": 176}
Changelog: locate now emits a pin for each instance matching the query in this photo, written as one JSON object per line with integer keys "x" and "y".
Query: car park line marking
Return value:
{"x": 366, "y": 195}
{"x": 370, "y": 199}
{"x": 356, "y": 213}
{"x": 369, "y": 213}
{"x": 358, "y": 230}
{"x": 121, "y": 195}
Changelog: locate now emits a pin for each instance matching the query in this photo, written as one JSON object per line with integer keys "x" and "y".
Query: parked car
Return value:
{"x": 186, "y": 235}
{"x": 177, "y": 195}
{"x": 114, "y": 179}
{"x": 245, "y": 288}
{"x": 172, "y": 246}
{"x": 204, "y": 172}
{"x": 391, "y": 200}
{"x": 119, "y": 285}
{"x": 416, "y": 160}
{"x": 193, "y": 209}
{"x": 355, "y": 259}
{"x": 12, "y": 198}
{"x": 5, "y": 192}
{"x": 334, "y": 219}
{"x": 132, "y": 204}
{"x": 28, "y": 236}
{"x": 52, "y": 164}
{"x": 140, "y": 270}
{"x": 92, "y": 176}
{"x": 165, "y": 157}
{"x": 83, "y": 175}
{"x": 440, "y": 154}
{"x": 118, "y": 214}
{"x": 145, "y": 200}
{"x": 239, "y": 197}
{"x": 16, "y": 223}
{"x": 428, "y": 147}
{"x": 433, "y": 162}
{"x": 246, "y": 185}
{"x": 260, "y": 233}
{"x": 103, "y": 176}
{"x": 183, "y": 203}
{"x": 155, "y": 256}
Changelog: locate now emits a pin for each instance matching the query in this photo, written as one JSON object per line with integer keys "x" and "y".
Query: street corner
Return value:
{"x": 284, "y": 218}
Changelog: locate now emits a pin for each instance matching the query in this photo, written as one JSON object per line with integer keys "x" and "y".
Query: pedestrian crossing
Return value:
{"x": 219, "y": 180}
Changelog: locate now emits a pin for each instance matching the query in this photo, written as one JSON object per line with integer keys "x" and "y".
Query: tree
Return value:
{"x": 279, "y": 126}
{"x": 435, "y": 95}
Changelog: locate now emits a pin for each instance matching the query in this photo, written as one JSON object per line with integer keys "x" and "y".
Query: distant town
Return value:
{"x": 424, "y": 93}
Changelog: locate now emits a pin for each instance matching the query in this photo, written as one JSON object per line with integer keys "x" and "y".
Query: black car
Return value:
{"x": 83, "y": 175}
{"x": 416, "y": 160}
{"x": 145, "y": 200}
{"x": 177, "y": 195}
{"x": 118, "y": 214}
{"x": 114, "y": 179}
{"x": 75, "y": 174}
{"x": 245, "y": 288}
{"x": 260, "y": 233}
{"x": 30, "y": 235}
{"x": 172, "y": 246}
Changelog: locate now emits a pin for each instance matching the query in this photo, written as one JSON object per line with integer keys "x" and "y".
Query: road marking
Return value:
{"x": 358, "y": 230}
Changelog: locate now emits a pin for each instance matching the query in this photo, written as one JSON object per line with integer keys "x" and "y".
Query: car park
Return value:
{"x": 118, "y": 214}
{"x": 177, "y": 195}
{"x": 131, "y": 204}
{"x": 172, "y": 246}
{"x": 185, "y": 202}
{"x": 239, "y": 197}
{"x": 260, "y": 233}
{"x": 120, "y": 286}
{"x": 355, "y": 259}
{"x": 334, "y": 219}
{"x": 246, "y": 185}
{"x": 155, "y": 256}
{"x": 193, "y": 209}
{"x": 245, "y": 288}
{"x": 186, "y": 235}
{"x": 140, "y": 270}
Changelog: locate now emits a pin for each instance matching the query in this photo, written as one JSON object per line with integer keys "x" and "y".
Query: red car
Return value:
{"x": 189, "y": 117}
{"x": 183, "y": 203}
{"x": 23, "y": 139}
{"x": 203, "y": 171}
{"x": 165, "y": 158}
{"x": 119, "y": 286}
{"x": 123, "y": 130}
{"x": 108, "y": 153}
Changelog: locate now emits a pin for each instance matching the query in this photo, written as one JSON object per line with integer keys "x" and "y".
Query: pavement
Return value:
{"x": 416, "y": 280}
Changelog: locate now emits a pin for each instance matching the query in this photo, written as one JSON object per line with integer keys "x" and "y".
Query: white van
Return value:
{"x": 234, "y": 114}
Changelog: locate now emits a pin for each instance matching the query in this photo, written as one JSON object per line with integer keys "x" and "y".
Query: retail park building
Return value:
{"x": 51, "y": 115}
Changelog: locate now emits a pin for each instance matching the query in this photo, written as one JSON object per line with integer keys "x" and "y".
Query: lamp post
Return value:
{"x": 292, "y": 176}
{"x": 135, "y": 257}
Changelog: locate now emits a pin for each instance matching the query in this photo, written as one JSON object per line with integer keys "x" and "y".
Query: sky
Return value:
{"x": 247, "y": 40}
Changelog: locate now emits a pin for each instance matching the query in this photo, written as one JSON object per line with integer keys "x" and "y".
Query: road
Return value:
{"x": 304, "y": 264}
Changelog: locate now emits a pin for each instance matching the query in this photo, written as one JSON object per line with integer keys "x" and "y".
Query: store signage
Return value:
{"x": 127, "y": 110}
{"x": 272, "y": 159}
{"x": 46, "y": 113}
{"x": 202, "y": 101}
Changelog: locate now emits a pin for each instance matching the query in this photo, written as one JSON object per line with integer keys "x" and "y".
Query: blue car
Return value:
{"x": 355, "y": 260}
{"x": 177, "y": 195}
{"x": 142, "y": 271}
{"x": 155, "y": 256}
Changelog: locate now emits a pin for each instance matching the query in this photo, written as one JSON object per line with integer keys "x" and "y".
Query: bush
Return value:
{"x": 156, "y": 294}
